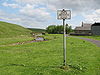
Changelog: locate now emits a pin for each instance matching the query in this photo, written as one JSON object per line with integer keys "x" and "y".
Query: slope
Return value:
{"x": 37, "y": 30}
{"x": 12, "y": 30}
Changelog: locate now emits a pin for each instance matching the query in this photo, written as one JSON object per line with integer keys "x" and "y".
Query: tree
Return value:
{"x": 53, "y": 29}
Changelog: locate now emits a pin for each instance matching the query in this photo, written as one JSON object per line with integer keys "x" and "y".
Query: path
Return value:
{"x": 20, "y": 43}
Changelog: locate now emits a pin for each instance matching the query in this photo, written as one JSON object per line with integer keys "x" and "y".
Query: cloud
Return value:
{"x": 42, "y": 12}
{"x": 75, "y": 5}
{"x": 33, "y": 2}
{"x": 39, "y": 14}
{"x": 22, "y": 20}
{"x": 93, "y": 17}
{"x": 1, "y": 12}
{"x": 10, "y": 5}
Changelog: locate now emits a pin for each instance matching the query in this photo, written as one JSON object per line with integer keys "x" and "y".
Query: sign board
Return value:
{"x": 63, "y": 14}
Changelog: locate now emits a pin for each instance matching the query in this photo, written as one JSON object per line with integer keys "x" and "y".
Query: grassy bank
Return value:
{"x": 45, "y": 58}
{"x": 12, "y": 30}
{"x": 37, "y": 30}
{"x": 92, "y": 37}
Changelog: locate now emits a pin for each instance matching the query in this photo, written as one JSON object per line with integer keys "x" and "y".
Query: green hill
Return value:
{"x": 37, "y": 30}
{"x": 12, "y": 30}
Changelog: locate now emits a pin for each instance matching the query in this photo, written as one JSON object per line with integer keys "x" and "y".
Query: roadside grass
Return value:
{"x": 92, "y": 37}
{"x": 46, "y": 57}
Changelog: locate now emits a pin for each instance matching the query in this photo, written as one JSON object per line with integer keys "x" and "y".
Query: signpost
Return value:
{"x": 62, "y": 15}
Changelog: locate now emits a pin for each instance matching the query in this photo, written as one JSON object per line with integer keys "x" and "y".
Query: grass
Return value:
{"x": 11, "y": 40}
{"x": 12, "y": 30}
{"x": 92, "y": 37}
{"x": 37, "y": 30}
{"x": 45, "y": 58}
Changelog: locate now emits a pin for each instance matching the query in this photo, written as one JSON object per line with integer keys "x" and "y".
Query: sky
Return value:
{"x": 42, "y": 13}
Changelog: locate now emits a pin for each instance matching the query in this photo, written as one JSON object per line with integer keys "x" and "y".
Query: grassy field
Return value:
{"x": 92, "y": 37}
{"x": 45, "y": 58}
{"x": 12, "y": 30}
{"x": 11, "y": 40}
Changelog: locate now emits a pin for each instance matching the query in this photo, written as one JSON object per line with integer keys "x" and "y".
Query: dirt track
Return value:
{"x": 20, "y": 43}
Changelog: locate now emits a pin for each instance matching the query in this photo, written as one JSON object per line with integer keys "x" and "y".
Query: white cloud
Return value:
{"x": 10, "y": 5}
{"x": 39, "y": 14}
{"x": 93, "y": 17}
{"x": 1, "y": 12}
{"x": 31, "y": 1}
{"x": 77, "y": 6}
{"x": 15, "y": 19}
{"x": 22, "y": 20}
{"x": 52, "y": 8}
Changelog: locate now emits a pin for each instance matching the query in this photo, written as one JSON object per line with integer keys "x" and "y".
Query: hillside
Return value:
{"x": 37, "y": 30}
{"x": 12, "y": 30}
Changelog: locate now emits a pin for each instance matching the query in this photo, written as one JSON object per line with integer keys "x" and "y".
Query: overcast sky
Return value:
{"x": 41, "y": 13}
